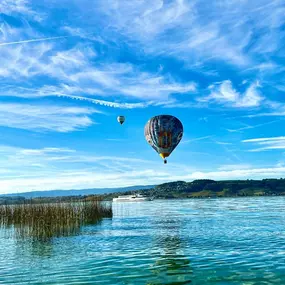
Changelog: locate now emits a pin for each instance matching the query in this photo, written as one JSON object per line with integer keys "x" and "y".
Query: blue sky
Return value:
{"x": 69, "y": 68}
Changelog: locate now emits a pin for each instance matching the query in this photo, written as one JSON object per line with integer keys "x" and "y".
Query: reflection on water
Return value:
{"x": 172, "y": 266}
{"x": 45, "y": 232}
{"x": 176, "y": 266}
{"x": 211, "y": 241}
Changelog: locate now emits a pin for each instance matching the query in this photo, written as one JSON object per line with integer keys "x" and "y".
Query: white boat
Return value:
{"x": 131, "y": 198}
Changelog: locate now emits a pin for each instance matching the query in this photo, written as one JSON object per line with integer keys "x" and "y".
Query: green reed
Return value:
{"x": 44, "y": 221}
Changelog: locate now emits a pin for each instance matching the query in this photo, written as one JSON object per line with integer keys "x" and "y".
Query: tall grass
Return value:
{"x": 44, "y": 221}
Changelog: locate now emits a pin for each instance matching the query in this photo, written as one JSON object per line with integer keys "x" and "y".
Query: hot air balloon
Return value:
{"x": 121, "y": 119}
{"x": 163, "y": 133}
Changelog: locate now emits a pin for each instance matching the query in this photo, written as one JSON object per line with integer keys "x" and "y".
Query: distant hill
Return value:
{"x": 173, "y": 190}
{"x": 83, "y": 192}
{"x": 210, "y": 188}
{"x": 228, "y": 188}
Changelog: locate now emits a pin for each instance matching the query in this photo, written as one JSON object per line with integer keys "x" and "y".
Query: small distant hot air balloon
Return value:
{"x": 163, "y": 133}
{"x": 121, "y": 119}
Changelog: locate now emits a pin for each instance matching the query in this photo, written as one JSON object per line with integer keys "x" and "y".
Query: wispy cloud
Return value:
{"x": 46, "y": 150}
{"x": 79, "y": 32}
{"x": 269, "y": 114}
{"x": 106, "y": 103}
{"x": 248, "y": 127}
{"x": 124, "y": 54}
{"x": 64, "y": 168}
{"x": 45, "y": 118}
{"x": 39, "y": 171}
{"x": 222, "y": 143}
{"x": 78, "y": 75}
{"x": 252, "y": 173}
{"x": 274, "y": 109}
{"x": 196, "y": 139}
{"x": 32, "y": 41}
{"x": 199, "y": 30}
{"x": 176, "y": 28}
{"x": 64, "y": 91}
{"x": 21, "y": 62}
{"x": 20, "y": 7}
{"x": 224, "y": 93}
{"x": 273, "y": 143}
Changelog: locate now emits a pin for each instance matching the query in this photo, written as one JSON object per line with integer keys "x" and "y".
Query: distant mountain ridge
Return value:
{"x": 226, "y": 188}
{"x": 203, "y": 188}
{"x": 178, "y": 189}
{"x": 63, "y": 193}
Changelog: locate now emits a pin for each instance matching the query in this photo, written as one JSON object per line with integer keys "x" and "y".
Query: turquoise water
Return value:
{"x": 207, "y": 241}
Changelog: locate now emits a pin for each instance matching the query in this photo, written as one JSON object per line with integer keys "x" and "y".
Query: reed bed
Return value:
{"x": 44, "y": 221}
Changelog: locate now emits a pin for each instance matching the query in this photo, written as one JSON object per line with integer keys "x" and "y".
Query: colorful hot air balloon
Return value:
{"x": 121, "y": 119}
{"x": 163, "y": 133}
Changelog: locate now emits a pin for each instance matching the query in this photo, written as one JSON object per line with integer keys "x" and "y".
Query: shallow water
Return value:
{"x": 203, "y": 241}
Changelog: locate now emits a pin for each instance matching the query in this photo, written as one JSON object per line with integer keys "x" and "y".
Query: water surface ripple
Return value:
{"x": 205, "y": 241}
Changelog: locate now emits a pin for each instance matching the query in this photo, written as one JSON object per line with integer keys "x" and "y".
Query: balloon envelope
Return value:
{"x": 121, "y": 119}
{"x": 163, "y": 133}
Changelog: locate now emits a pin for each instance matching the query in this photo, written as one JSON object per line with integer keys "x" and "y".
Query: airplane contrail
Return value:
{"x": 33, "y": 40}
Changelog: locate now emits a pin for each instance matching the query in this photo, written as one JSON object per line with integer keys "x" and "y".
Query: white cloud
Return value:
{"x": 78, "y": 73}
{"x": 265, "y": 66}
{"x": 86, "y": 178}
{"x": 224, "y": 93}
{"x": 63, "y": 168}
{"x": 265, "y": 139}
{"x": 45, "y": 117}
{"x": 46, "y": 150}
{"x": 31, "y": 41}
{"x": 138, "y": 16}
{"x": 19, "y": 7}
{"x": 78, "y": 32}
{"x": 269, "y": 114}
{"x": 21, "y": 62}
{"x": 248, "y": 127}
{"x": 196, "y": 139}
{"x": 108, "y": 103}
{"x": 199, "y": 30}
{"x": 177, "y": 28}
{"x": 12, "y": 155}
{"x": 77, "y": 180}
{"x": 254, "y": 173}
{"x": 275, "y": 109}
{"x": 251, "y": 97}
{"x": 223, "y": 143}
{"x": 47, "y": 91}
{"x": 273, "y": 143}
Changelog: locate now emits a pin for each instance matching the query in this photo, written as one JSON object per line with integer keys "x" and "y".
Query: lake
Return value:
{"x": 195, "y": 241}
